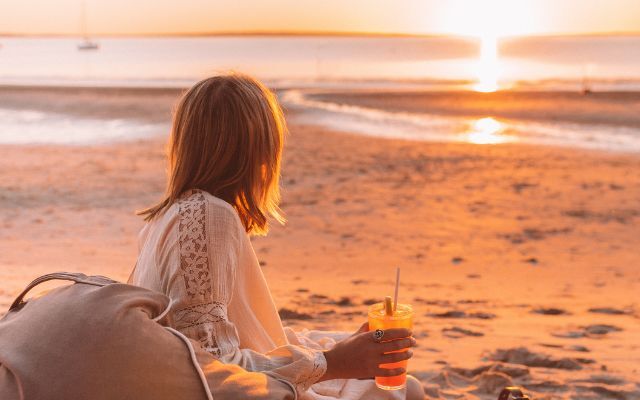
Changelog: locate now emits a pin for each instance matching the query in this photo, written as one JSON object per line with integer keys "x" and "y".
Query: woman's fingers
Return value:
{"x": 395, "y": 357}
{"x": 395, "y": 345}
{"x": 395, "y": 333}
{"x": 389, "y": 372}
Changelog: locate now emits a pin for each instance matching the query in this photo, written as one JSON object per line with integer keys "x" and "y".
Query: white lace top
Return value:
{"x": 198, "y": 253}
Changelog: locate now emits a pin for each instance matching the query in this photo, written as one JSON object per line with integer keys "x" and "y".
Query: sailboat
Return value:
{"x": 87, "y": 43}
{"x": 586, "y": 82}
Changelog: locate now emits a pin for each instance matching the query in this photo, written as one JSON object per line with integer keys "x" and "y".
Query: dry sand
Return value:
{"x": 521, "y": 262}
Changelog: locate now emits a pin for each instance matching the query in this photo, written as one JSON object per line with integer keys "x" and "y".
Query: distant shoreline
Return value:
{"x": 354, "y": 86}
{"x": 46, "y": 35}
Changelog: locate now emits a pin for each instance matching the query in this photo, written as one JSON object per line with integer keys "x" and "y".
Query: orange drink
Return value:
{"x": 402, "y": 318}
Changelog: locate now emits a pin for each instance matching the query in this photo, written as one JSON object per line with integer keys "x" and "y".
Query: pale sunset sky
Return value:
{"x": 461, "y": 17}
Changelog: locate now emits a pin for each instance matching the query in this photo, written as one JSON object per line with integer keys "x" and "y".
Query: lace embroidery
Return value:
{"x": 200, "y": 314}
{"x": 200, "y": 318}
{"x": 194, "y": 259}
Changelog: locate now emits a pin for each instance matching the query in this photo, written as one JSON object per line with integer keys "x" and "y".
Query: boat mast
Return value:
{"x": 83, "y": 20}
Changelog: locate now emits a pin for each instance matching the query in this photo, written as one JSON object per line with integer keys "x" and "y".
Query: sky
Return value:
{"x": 459, "y": 17}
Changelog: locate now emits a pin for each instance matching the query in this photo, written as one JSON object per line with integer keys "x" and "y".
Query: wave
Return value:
{"x": 38, "y": 127}
{"x": 437, "y": 128}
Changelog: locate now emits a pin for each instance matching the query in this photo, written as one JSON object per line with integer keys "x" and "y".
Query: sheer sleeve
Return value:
{"x": 209, "y": 240}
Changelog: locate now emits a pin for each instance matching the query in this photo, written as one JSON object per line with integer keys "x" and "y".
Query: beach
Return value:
{"x": 521, "y": 261}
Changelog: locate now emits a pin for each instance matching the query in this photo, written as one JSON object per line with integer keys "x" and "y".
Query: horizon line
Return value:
{"x": 309, "y": 34}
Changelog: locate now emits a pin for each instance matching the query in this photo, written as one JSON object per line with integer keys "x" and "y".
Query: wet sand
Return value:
{"x": 520, "y": 261}
{"x": 618, "y": 109}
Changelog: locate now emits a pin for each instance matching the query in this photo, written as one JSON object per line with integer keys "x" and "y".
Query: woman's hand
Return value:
{"x": 360, "y": 355}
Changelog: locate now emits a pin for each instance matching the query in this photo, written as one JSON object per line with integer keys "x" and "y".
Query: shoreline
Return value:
{"x": 534, "y": 118}
{"x": 510, "y": 146}
{"x": 601, "y": 108}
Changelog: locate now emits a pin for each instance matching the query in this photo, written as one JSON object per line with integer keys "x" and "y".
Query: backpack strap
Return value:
{"x": 76, "y": 277}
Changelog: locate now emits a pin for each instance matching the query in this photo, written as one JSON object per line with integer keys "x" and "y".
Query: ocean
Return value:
{"x": 612, "y": 62}
{"x": 298, "y": 65}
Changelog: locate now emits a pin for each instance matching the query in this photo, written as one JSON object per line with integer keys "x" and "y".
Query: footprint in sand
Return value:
{"x": 577, "y": 347}
{"x": 441, "y": 303}
{"x": 457, "y": 333}
{"x": 590, "y": 331}
{"x": 454, "y": 382}
{"x": 600, "y": 330}
{"x": 286, "y": 313}
{"x": 471, "y": 301}
{"x": 457, "y": 260}
{"x": 343, "y": 302}
{"x": 568, "y": 334}
{"x": 462, "y": 314}
{"x": 523, "y": 356}
{"x": 319, "y": 298}
{"x": 550, "y": 311}
{"x": 609, "y": 310}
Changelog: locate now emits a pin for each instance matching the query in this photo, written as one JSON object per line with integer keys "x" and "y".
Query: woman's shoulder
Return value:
{"x": 196, "y": 205}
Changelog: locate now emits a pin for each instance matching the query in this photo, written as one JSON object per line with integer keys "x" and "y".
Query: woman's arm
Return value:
{"x": 209, "y": 239}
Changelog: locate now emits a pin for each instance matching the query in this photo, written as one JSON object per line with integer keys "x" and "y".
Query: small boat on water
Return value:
{"x": 585, "y": 88}
{"x": 87, "y": 44}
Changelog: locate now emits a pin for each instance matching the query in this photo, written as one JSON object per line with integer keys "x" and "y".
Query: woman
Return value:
{"x": 223, "y": 183}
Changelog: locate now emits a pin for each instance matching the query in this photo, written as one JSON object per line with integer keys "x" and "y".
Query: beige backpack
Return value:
{"x": 97, "y": 339}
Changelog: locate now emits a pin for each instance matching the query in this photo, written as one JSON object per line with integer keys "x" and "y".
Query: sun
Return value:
{"x": 489, "y": 20}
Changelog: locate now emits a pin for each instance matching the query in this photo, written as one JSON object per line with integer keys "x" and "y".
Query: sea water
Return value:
{"x": 303, "y": 63}
{"x": 283, "y": 60}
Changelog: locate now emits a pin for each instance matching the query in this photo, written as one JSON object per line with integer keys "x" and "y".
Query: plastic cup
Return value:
{"x": 402, "y": 318}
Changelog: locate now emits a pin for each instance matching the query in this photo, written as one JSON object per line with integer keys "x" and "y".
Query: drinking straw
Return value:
{"x": 395, "y": 296}
{"x": 388, "y": 308}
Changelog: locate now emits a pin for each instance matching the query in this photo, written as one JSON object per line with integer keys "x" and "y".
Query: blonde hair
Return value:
{"x": 226, "y": 139}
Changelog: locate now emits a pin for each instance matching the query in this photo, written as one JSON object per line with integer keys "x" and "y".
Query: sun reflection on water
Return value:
{"x": 487, "y": 131}
{"x": 488, "y": 67}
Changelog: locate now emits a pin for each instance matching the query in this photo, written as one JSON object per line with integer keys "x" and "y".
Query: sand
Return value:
{"x": 521, "y": 262}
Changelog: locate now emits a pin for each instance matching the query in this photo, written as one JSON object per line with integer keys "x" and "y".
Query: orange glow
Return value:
{"x": 489, "y": 20}
{"x": 457, "y": 17}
